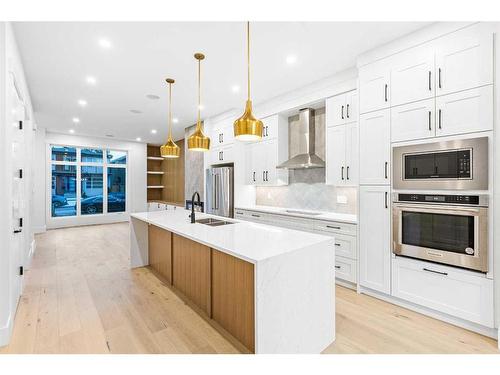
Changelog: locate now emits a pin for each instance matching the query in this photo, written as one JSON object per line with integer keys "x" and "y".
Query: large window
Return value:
{"x": 87, "y": 181}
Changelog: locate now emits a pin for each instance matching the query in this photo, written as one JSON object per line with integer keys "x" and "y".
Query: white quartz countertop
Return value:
{"x": 249, "y": 241}
{"x": 315, "y": 215}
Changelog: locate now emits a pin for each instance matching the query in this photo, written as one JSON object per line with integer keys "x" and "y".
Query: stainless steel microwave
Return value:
{"x": 460, "y": 164}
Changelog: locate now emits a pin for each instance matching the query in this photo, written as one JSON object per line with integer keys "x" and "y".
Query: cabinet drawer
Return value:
{"x": 345, "y": 269}
{"x": 251, "y": 215}
{"x": 345, "y": 246}
{"x": 455, "y": 292}
{"x": 335, "y": 227}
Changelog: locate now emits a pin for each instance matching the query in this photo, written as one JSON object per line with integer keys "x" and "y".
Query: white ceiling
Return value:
{"x": 57, "y": 58}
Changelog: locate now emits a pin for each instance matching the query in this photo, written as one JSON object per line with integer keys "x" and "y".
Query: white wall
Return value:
{"x": 39, "y": 164}
{"x": 136, "y": 178}
{"x": 14, "y": 252}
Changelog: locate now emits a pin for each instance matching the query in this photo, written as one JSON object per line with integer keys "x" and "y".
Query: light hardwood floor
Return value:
{"x": 81, "y": 297}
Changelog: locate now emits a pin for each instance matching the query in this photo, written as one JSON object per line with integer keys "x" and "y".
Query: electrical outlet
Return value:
{"x": 341, "y": 199}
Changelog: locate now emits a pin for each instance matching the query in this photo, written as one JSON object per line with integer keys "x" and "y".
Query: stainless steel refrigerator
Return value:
{"x": 220, "y": 191}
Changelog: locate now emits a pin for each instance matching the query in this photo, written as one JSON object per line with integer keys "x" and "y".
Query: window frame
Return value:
{"x": 79, "y": 164}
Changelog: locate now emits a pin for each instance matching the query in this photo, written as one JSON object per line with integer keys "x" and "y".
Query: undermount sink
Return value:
{"x": 303, "y": 212}
{"x": 213, "y": 222}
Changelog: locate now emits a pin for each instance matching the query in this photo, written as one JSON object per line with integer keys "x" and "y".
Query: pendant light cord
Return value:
{"x": 248, "y": 59}
{"x": 199, "y": 91}
{"x": 169, "y": 111}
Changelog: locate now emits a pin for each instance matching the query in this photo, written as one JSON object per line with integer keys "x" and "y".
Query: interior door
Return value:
{"x": 375, "y": 147}
{"x": 464, "y": 60}
{"x": 335, "y": 155}
{"x": 412, "y": 78}
{"x": 413, "y": 121}
{"x": 375, "y": 238}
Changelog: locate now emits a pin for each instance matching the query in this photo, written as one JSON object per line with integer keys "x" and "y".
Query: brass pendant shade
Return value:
{"x": 198, "y": 141}
{"x": 170, "y": 150}
{"x": 247, "y": 127}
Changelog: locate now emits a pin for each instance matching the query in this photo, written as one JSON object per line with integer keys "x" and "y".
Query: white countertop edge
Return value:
{"x": 138, "y": 216}
{"x": 324, "y": 216}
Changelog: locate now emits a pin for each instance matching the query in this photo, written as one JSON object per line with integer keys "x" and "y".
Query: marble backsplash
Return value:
{"x": 307, "y": 191}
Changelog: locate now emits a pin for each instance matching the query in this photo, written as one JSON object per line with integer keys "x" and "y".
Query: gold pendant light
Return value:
{"x": 247, "y": 127}
{"x": 170, "y": 150}
{"x": 199, "y": 141}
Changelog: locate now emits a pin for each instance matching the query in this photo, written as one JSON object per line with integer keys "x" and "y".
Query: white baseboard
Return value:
{"x": 486, "y": 331}
{"x": 40, "y": 229}
{"x": 6, "y": 332}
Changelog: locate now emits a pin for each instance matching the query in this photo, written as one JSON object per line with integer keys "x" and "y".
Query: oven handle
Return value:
{"x": 456, "y": 210}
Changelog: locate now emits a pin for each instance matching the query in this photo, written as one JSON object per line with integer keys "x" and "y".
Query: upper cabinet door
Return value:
{"x": 465, "y": 111}
{"x": 335, "y": 155}
{"x": 374, "y": 148}
{"x": 336, "y": 111}
{"x": 351, "y": 107}
{"x": 412, "y": 77}
{"x": 270, "y": 129}
{"x": 464, "y": 60}
{"x": 351, "y": 154}
{"x": 413, "y": 121}
{"x": 374, "y": 93}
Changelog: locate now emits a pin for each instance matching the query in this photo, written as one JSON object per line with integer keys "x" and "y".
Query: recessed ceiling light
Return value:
{"x": 235, "y": 89}
{"x": 153, "y": 131}
{"x": 71, "y": 131}
{"x": 175, "y": 120}
{"x": 76, "y": 120}
{"x": 104, "y": 43}
{"x": 91, "y": 80}
{"x": 82, "y": 103}
{"x": 135, "y": 111}
{"x": 291, "y": 59}
{"x": 152, "y": 97}
{"x": 138, "y": 139}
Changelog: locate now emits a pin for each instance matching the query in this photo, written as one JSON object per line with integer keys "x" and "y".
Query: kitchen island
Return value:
{"x": 269, "y": 289}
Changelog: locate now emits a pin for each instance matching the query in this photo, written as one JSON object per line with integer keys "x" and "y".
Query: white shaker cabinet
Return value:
{"x": 261, "y": 161}
{"x": 465, "y": 112}
{"x": 412, "y": 77}
{"x": 375, "y": 148}
{"x": 223, "y": 133}
{"x": 342, "y": 155}
{"x": 342, "y": 109}
{"x": 374, "y": 81}
{"x": 464, "y": 60}
{"x": 375, "y": 238}
{"x": 413, "y": 121}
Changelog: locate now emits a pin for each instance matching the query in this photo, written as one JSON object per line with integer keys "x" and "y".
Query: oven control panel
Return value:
{"x": 437, "y": 198}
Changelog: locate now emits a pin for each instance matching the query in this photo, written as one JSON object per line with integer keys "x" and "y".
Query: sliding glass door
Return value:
{"x": 87, "y": 181}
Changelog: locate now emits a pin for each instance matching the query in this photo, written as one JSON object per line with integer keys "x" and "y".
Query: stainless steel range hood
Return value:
{"x": 302, "y": 138}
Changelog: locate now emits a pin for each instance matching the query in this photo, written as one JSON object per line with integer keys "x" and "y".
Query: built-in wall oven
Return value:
{"x": 447, "y": 229}
{"x": 460, "y": 164}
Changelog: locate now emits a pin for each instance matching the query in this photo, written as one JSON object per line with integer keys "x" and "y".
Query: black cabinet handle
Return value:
{"x": 267, "y": 176}
{"x": 342, "y": 113}
{"x": 430, "y": 114}
{"x": 385, "y": 198}
{"x": 438, "y": 272}
{"x": 337, "y": 244}
{"x": 385, "y": 170}
{"x": 20, "y": 125}
{"x": 347, "y": 110}
{"x": 18, "y": 231}
{"x": 385, "y": 92}
{"x": 347, "y": 171}
{"x": 430, "y": 87}
{"x": 20, "y": 173}
{"x": 222, "y": 136}
{"x": 337, "y": 267}
{"x": 20, "y": 222}
{"x": 342, "y": 173}
{"x": 254, "y": 176}
{"x": 439, "y": 77}
{"x": 439, "y": 122}
{"x": 255, "y": 215}
{"x": 263, "y": 176}
{"x": 332, "y": 227}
